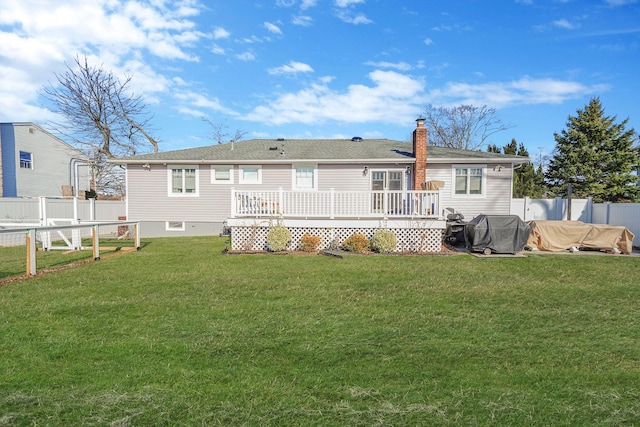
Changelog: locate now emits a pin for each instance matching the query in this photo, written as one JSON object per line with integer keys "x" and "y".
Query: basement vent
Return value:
{"x": 356, "y": 138}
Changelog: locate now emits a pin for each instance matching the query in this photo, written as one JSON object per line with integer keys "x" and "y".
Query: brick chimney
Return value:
{"x": 420, "y": 153}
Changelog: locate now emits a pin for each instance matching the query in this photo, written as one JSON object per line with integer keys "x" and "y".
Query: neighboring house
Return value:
{"x": 37, "y": 163}
{"x": 315, "y": 185}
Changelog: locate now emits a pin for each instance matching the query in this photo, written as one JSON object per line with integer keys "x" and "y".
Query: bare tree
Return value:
{"x": 220, "y": 132}
{"x": 465, "y": 127}
{"x": 102, "y": 117}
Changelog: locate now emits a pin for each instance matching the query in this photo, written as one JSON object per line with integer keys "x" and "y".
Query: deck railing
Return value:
{"x": 335, "y": 204}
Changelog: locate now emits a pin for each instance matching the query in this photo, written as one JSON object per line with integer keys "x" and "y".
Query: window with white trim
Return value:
{"x": 250, "y": 174}
{"x": 305, "y": 177}
{"x": 174, "y": 226}
{"x": 222, "y": 174}
{"x": 26, "y": 160}
{"x": 468, "y": 180}
{"x": 183, "y": 180}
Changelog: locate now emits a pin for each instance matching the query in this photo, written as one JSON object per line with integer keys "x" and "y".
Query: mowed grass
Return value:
{"x": 13, "y": 259}
{"x": 179, "y": 334}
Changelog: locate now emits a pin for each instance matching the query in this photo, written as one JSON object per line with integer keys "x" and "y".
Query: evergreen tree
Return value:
{"x": 596, "y": 155}
{"x": 512, "y": 148}
{"x": 524, "y": 177}
{"x": 493, "y": 148}
{"x": 540, "y": 184}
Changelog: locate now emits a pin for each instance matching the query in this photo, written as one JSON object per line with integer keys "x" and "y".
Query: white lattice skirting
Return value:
{"x": 417, "y": 240}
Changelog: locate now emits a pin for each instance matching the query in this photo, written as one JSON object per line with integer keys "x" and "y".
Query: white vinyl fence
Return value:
{"x": 19, "y": 212}
{"x": 552, "y": 209}
{"x": 39, "y": 210}
{"x": 625, "y": 214}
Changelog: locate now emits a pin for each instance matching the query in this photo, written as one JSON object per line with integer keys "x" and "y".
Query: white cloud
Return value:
{"x": 400, "y": 66}
{"x": 620, "y": 2}
{"x": 351, "y": 18}
{"x": 563, "y": 23}
{"x": 525, "y": 91}
{"x": 392, "y": 98}
{"x": 125, "y": 35}
{"x": 347, "y": 3}
{"x": 218, "y": 50}
{"x": 246, "y": 56}
{"x": 192, "y": 103}
{"x": 306, "y": 4}
{"x": 428, "y": 41}
{"x": 302, "y": 20}
{"x": 220, "y": 33}
{"x": 272, "y": 28}
{"x": 292, "y": 68}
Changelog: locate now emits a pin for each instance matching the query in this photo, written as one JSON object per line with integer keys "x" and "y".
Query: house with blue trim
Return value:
{"x": 34, "y": 162}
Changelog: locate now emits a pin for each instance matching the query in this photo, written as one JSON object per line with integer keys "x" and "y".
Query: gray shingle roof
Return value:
{"x": 332, "y": 150}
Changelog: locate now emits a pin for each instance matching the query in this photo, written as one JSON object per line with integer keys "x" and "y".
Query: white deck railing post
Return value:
{"x": 233, "y": 203}
{"x": 280, "y": 209}
{"x": 332, "y": 204}
{"x": 385, "y": 203}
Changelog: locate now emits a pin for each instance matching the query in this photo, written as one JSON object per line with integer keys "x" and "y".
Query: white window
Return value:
{"x": 469, "y": 180}
{"x": 250, "y": 174}
{"x": 305, "y": 177}
{"x": 26, "y": 160}
{"x": 183, "y": 180}
{"x": 174, "y": 226}
{"x": 222, "y": 174}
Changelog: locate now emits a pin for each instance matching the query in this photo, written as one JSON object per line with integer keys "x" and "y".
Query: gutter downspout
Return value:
{"x": 74, "y": 179}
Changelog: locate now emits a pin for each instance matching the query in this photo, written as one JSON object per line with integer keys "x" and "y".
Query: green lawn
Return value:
{"x": 179, "y": 334}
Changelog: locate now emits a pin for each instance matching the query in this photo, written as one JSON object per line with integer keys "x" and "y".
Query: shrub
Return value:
{"x": 309, "y": 243}
{"x": 384, "y": 240}
{"x": 278, "y": 238}
{"x": 356, "y": 243}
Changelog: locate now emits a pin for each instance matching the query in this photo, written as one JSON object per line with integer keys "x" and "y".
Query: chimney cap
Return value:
{"x": 420, "y": 121}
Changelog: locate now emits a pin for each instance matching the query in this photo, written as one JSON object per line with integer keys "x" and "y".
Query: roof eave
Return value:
{"x": 449, "y": 160}
{"x": 408, "y": 160}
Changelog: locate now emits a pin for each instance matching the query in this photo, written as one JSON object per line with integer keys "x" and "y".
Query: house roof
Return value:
{"x": 323, "y": 150}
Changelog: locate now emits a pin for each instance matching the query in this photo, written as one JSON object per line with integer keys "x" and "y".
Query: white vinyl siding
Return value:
{"x": 53, "y": 163}
{"x": 222, "y": 174}
{"x": 183, "y": 180}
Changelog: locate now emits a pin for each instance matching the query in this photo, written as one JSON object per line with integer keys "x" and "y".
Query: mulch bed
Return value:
{"x": 445, "y": 251}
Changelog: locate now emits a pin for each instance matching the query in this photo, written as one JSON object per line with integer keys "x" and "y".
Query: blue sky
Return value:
{"x": 332, "y": 68}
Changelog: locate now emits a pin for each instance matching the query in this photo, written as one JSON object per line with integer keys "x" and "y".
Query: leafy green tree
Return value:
{"x": 596, "y": 155}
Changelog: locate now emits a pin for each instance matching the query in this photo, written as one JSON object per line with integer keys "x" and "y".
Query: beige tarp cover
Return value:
{"x": 561, "y": 235}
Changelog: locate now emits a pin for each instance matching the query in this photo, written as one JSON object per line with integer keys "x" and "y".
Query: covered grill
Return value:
{"x": 501, "y": 234}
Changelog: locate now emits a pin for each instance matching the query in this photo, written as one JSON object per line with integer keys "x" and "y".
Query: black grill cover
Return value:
{"x": 502, "y": 234}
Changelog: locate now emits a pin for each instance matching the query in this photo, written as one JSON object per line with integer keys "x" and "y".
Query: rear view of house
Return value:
{"x": 314, "y": 184}
{"x": 36, "y": 163}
